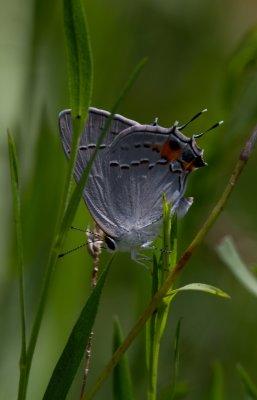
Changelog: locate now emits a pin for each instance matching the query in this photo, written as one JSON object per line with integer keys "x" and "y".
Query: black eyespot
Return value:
{"x": 188, "y": 155}
{"x": 110, "y": 243}
{"x": 174, "y": 144}
{"x": 199, "y": 162}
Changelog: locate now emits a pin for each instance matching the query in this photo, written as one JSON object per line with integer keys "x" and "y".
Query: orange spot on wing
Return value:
{"x": 170, "y": 152}
{"x": 189, "y": 166}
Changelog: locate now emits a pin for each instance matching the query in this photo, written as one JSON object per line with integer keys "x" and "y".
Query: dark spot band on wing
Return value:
{"x": 124, "y": 147}
{"x": 144, "y": 161}
{"x": 156, "y": 148}
{"x": 114, "y": 164}
{"x": 147, "y": 144}
{"x": 162, "y": 161}
{"x": 124, "y": 166}
{"x": 134, "y": 163}
{"x": 92, "y": 146}
{"x": 151, "y": 165}
{"x": 137, "y": 145}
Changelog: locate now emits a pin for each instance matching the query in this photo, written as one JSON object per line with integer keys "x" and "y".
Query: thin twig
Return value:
{"x": 94, "y": 244}
{"x": 171, "y": 277}
{"x": 20, "y": 263}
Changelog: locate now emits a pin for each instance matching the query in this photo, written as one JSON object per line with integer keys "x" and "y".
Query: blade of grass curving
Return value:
{"x": 150, "y": 327}
{"x": 229, "y": 255}
{"x": 17, "y": 220}
{"x": 70, "y": 359}
{"x": 249, "y": 386}
{"x": 77, "y": 193}
{"x": 175, "y": 369}
{"x": 241, "y": 82}
{"x": 67, "y": 222}
{"x": 79, "y": 57}
{"x": 80, "y": 76}
{"x": 173, "y": 274}
{"x": 122, "y": 385}
{"x": 200, "y": 287}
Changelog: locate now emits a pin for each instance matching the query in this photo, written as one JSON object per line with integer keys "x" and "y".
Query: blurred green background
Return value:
{"x": 195, "y": 61}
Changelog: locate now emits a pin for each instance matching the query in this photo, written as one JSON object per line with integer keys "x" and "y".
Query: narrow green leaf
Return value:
{"x": 241, "y": 63}
{"x": 176, "y": 361}
{"x": 150, "y": 326}
{"x": 175, "y": 390}
{"x": 241, "y": 81}
{"x": 18, "y": 229}
{"x": 122, "y": 386}
{"x": 217, "y": 387}
{"x": 66, "y": 223}
{"x": 200, "y": 287}
{"x": 77, "y": 193}
{"x": 166, "y": 224}
{"x": 80, "y": 76}
{"x": 173, "y": 240}
{"x": 229, "y": 255}
{"x": 249, "y": 386}
{"x": 69, "y": 361}
{"x": 80, "y": 65}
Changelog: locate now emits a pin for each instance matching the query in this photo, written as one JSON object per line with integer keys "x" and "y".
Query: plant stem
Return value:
{"x": 159, "y": 318}
{"x": 17, "y": 220}
{"x": 172, "y": 275}
{"x": 95, "y": 241}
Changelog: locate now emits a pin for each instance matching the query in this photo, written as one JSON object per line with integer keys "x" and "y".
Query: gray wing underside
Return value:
{"x": 96, "y": 195}
{"x": 139, "y": 177}
{"x": 126, "y": 183}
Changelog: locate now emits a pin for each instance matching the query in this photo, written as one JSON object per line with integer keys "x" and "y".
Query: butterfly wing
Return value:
{"x": 96, "y": 193}
{"x": 140, "y": 175}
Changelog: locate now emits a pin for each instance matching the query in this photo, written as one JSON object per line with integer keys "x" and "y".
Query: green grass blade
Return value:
{"x": 66, "y": 223}
{"x": 150, "y": 326}
{"x": 176, "y": 361}
{"x": 241, "y": 82}
{"x": 229, "y": 255}
{"x": 79, "y": 58}
{"x": 77, "y": 193}
{"x": 200, "y": 287}
{"x": 158, "y": 320}
{"x": 70, "y": 359}
{"x": 217, "y": 387}
{"x": 17, "y": 219}
{"x": 249, "y": 386}
{"x": 80, "y": 76}
{"x": 122, "y": 385}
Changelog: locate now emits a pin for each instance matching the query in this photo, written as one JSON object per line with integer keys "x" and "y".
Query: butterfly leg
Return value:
{"x": 182, "y": 206}
{"x": 148, "y": 245}
{"x": 140, "y": 259}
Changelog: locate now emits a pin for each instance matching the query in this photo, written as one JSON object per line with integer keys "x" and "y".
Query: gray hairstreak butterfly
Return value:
{"x": 134, "y": 166}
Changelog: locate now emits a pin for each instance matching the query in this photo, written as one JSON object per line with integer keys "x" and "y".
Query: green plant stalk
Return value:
{"x": 160, "y": 316}
{"x": 172, "y": 275}
{"x": 63, "y": 228}
{"x": 80, "y": 78}
{"x": 18, "y": 228}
